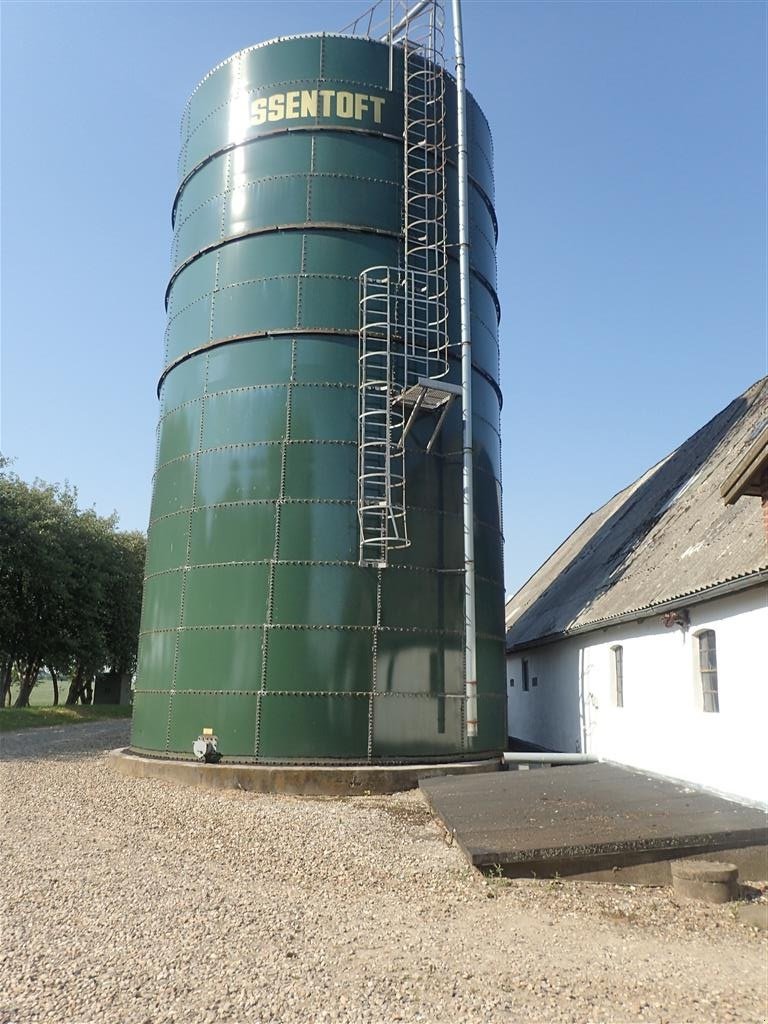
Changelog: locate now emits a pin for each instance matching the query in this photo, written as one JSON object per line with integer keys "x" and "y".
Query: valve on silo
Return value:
{"x": 206, "y": 747}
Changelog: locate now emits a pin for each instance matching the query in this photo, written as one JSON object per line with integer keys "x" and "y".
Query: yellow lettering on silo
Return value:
{"x": 309, "y": 103}
{"x": 361, "y": 105}
{"x": 326, "y": 103}
{"x": 259, "y": 111}
{"x": 276, "y": 107}
{"x": 292, "y": 104}
{"x": 345, "y": 104}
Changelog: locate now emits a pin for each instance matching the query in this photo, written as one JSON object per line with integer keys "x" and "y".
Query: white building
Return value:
{"x": 644, "y": 638}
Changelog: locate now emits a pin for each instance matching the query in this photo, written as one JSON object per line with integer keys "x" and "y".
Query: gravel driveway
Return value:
{"x": 134, "y": 901}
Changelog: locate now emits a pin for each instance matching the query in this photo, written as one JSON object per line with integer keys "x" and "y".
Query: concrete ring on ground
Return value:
{"x": 713, "y": 881}
{"x": 297, "y": 780}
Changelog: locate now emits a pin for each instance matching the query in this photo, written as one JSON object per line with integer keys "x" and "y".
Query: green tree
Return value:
{"x": 70, "y": 589}
{"x": 34, "y": 569}
{"x": 129, "y": 553}
{"x": 89, "y": 544}
{"x": 106, "y": 587}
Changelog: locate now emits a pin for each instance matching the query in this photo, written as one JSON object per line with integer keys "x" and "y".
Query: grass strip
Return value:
{"x": 31, "y": 718}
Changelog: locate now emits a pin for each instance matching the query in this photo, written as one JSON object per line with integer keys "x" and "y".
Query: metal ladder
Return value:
{"x": 424, "y": 183}
{"x": 404, "y": 310}
{"x": 381, "y": 458}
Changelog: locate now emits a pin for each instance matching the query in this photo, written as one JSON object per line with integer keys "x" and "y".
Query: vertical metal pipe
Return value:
{"x": 470, "y": 638}
{"x": 391, "y": 45}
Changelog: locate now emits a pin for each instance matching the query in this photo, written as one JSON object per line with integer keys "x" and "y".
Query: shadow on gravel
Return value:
{"x": 64, "y": 742}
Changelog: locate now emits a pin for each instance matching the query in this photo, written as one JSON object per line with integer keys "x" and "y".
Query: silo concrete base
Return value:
{"x": 298, "y": 780}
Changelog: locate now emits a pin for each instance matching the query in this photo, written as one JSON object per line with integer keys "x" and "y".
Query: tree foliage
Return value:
{"x": 70, "y": 589}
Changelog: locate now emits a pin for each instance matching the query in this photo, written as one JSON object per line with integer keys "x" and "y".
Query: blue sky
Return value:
{"x": 630, "y": 144}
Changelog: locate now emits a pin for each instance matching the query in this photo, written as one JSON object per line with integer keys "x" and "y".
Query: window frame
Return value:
{"x": 617, "y": 675}
{"x": 706, "y": 674}
{"x": 526, "y": 686}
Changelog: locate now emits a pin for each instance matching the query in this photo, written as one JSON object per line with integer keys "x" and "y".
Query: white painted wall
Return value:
{"x": 662, "y": 727}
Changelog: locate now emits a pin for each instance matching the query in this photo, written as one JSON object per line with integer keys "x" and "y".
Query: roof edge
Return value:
{"x": 743, "y": 479}
{"x": 694, "y": 597}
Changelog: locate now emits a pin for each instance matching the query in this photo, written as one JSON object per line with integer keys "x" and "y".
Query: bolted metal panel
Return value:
{"x": 257, "y": 620}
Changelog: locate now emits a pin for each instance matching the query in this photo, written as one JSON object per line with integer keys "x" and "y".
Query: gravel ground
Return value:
{"x": 142, "y": 902}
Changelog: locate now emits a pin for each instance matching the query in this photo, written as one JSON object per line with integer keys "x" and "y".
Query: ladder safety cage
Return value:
{"x": 381, "y": 460}
{"x": 424, "y": 201}
{"x": 404, "y": 310}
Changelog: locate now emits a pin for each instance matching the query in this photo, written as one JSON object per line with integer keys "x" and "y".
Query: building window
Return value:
{"x": 617, "y": 674}
{"x": 526, "y": 679}
{"x": 708, "y": 670}
{"x": 511, "y": 683}
{"x": 535, "y": 681}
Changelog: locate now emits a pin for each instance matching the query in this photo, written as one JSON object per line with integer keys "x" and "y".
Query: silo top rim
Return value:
{"x": 310, "y": 35}
{"x": 284, "y": 39}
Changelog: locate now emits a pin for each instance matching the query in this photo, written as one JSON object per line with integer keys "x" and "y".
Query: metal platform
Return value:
{"x": 595, "y": 821}
{"x": 428, "y": 395}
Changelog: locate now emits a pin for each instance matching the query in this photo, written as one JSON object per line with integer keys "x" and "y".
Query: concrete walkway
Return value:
{"x": 594, "y": 821}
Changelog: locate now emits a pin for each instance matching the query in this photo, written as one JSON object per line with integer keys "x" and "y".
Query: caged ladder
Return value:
{"x": 404, "y": 310}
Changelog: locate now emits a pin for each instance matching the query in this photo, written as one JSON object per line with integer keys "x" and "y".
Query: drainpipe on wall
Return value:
{"x": 582, "y": 703}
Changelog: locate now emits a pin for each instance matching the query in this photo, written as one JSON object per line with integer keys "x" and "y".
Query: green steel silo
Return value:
{"x": 259, "y": 622}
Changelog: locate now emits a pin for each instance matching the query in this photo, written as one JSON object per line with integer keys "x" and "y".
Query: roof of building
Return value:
{"x": 750, "y": 474}
{"x": 667, "y": 537}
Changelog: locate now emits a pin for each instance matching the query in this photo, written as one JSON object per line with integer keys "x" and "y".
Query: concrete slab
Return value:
{"x": 595, "y": 821}
{"x": 298, "y": 780}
